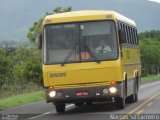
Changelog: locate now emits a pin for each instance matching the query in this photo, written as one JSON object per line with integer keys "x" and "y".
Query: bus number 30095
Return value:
{"x": 57, "y": 75}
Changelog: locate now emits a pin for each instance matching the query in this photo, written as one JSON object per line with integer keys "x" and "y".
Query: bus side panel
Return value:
{"x": 131, "y": 64}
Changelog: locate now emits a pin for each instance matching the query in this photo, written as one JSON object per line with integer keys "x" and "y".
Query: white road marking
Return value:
{"x": 158, "y": 98}
{"x": 39, "y": 115}
{"x": 149, "y": 104}
{"x": 139, "y": 112}
{"x": 144, "y": 103}
{"x": 68, "y": 106}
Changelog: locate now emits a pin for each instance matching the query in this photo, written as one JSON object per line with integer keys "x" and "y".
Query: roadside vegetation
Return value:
{"x": 150, "y": 52}
{"x": 21, "y": 71}
{"x": 21, "y": 68}
{"x": 22, "y": 99}
{"x": 150, "y": 78}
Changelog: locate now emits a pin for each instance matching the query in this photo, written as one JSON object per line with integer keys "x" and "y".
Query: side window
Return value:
{"x": 132, "y": 38}
{"x": 125, "y": 33}
{"x": 128, "y": 34}
{"x": 123, "y": 28}
{"x": 119, "y": 26}
{"x": 135, "y": 34}
{"x": 136, "y": 37}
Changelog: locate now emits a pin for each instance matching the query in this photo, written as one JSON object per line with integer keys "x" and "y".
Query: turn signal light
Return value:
{"x": 51, "y": 87}
{"x": 113, "y": 82}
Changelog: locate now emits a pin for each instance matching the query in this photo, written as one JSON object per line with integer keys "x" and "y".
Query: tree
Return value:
{"x": 27, "y": 65}
{"x": 150, "y": 49}
{"x": 150, "y": 34}
{"x": 36, "y": 28}
{"x": 33, "y": 72}
{"x": 61, "y": 10}
{"x": 5, "y": 67}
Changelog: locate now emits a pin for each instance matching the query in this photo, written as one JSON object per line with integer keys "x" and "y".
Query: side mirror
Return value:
{"x": 122, "y": 38}
{"x": 39, "y": 41}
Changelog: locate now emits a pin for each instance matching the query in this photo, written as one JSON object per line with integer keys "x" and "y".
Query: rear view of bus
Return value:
{"x": 84, "y": 59}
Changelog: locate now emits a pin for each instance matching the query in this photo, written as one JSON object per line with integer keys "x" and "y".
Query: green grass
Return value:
{"x": 22, "y": 99}
{"x": 150, "y": 78}
{"x": 17, "y": 89}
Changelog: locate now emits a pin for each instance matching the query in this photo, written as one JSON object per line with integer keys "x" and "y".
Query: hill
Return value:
{"x": 17, "y": 16}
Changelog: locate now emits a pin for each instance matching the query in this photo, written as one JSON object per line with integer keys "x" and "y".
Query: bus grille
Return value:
{"x": 79, "y": 85}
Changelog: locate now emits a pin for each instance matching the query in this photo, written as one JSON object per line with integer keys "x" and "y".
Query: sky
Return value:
{"x": 158, "y": 1}
{"x": 19, "y": 15}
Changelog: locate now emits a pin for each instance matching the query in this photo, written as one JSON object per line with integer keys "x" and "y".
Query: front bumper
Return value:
{"x": 95, "y": 94}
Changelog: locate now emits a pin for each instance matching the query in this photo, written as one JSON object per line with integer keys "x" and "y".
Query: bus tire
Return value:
{"x": 137, "y": 88}
{"x": 79, "y": 104}
{"x": 120, "y": 103}
{"x": 89, "y": 103}
{"x": 60, "y": 107}
{"x": 136, "y": 92}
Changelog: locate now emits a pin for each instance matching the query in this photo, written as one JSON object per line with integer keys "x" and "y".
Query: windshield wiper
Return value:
{"x": 68, "y": 56}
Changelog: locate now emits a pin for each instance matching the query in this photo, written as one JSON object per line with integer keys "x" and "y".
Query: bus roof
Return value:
{"x": 87, "y": 15}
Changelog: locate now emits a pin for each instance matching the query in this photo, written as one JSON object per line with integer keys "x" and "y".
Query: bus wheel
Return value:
{"x": 60, "y": 107}
{"x": 120, "y": 103}
{"x": 79, "y": 104}
{"x": 136, "y": 93}
{"x": 136, "y": 90}
{"x": 89, "y": 103}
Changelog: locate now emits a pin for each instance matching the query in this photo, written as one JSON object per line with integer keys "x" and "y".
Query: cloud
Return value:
{"x": 158, "y": 1}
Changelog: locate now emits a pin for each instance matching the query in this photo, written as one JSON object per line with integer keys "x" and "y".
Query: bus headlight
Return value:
{"x": 52, "y": 94}
{"x": 113, "y": 89}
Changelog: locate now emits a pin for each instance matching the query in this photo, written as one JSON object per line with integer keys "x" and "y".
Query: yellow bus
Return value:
{"x": 90, "y": 56}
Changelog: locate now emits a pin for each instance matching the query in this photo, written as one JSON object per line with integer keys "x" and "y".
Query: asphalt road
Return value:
{"x": 148, "y": 103}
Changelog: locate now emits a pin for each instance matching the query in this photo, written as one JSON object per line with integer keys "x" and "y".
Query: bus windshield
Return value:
{"x": 80, "y": 42}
